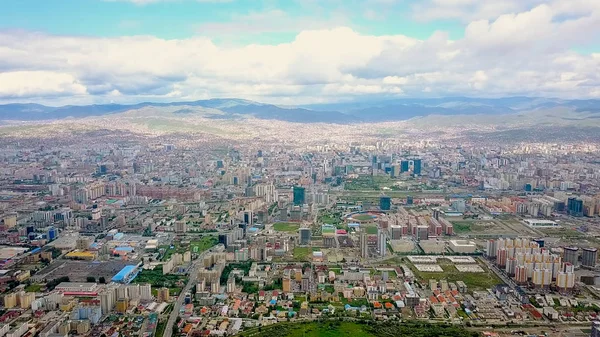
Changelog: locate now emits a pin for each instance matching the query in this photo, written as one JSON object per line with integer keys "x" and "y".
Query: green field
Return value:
{"x": 361, "y": 328}
{"x": 561, "y": 232}
{"x": 363, "y": 217}
{"x": 286, "y": 227}
{"x": 33, "y": 288}
{"x": 301, "y": 253}
{"x": 371, "y": 229}
{"x": 156, "y": 278}
{"x": 474, "y": 281}
{"x": 198, "y": 246}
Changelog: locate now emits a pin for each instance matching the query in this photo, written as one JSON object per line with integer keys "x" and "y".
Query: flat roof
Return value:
{"x": 123, "y": 273}
{"x": 75, "y": 284}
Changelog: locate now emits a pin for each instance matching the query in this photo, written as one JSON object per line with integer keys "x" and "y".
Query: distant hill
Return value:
{"x": 342, "y": 113}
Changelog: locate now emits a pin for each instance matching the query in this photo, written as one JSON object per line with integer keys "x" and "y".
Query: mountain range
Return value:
{"x": 340, "y": 113}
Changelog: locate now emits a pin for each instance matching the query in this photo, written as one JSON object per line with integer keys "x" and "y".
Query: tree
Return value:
{"x": 91, "y": 279}
{"x": 102, "y": 280}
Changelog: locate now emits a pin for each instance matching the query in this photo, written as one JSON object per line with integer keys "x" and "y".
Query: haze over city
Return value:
{"x": 299, "y": 168}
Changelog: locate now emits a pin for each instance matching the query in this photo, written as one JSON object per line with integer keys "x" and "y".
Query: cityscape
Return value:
{"x": 376, "y": 168}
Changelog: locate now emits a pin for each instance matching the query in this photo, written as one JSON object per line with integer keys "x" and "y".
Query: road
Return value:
{"x": 191, "y": 282}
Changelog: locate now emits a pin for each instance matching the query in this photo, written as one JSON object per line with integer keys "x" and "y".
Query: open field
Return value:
{"x": 461, "y": 226}
{"x": 198, "y": 246}
{"x": 371, "y": 229}
{"x": 474, "y": 281}
{"x": 363, "y": 217}
{"x": 337, "y": 328}
{"x": 156, "y": 278}
{"x": 286, "y": 227}
{"x": 301, "y": 253}
{"x": 562, "y": 232}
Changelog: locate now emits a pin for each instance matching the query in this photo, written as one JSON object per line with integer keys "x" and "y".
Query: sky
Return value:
{"x": 59, "y": 52}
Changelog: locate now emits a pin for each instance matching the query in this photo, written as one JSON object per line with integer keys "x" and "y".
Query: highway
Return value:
{"x": 193, "y": 272}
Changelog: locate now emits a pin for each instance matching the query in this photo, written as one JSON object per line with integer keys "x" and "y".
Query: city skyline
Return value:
{"x": 299, "y": 52}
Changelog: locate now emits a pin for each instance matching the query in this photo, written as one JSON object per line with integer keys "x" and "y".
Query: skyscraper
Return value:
{"x": 382, "y": 242}
{"x": 571, "y": 255}
{"x": 404, "y": 166}
{"x": 385, "y": 203}
{"x": 364, "y": 247}
{"x": 417, "y": 166}
{"x": 299, "y": 195}
{"x": 575, "y": 207}
{"x": 304, "y": 236}
{"x": 249, "y": 217}
{"x": 589, "y": 257}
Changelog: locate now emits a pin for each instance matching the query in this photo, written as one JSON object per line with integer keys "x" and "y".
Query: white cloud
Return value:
{"x": 18, "y": 84}
{"x": 528, "y": 53}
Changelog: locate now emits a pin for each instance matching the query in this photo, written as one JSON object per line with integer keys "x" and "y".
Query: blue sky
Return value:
{"x": 182, "y": 19}
{"x": 296, "y": 51}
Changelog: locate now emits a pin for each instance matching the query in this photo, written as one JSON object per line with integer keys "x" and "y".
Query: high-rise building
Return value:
{"x": 417, "y": 166}
{"x": 589, "y": 257}
{"x": 382, "y": 242}
{"x": 180, "y": 227}
{"x": 10, "y": 300}
{"x": 145, "y": 292}
{"x": 385, "y": 203}
{"x": 364, "y": 245}
{"x": 304, "y": 236}
{"x": 249, "y": 217}
{"x": 595, "y": 329}
{"x": 404, "y": 165}
{"x": 299, "y": 195}
{"x": 163, "y": 294}
{"x": 571, "y": 255}
{"x": 575, "y": 207}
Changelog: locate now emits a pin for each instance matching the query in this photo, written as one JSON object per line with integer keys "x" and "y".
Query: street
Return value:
{"x": 193, "y": 272}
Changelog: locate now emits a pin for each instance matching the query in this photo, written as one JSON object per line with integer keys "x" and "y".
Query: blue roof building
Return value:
{"x": 126, "y": 275}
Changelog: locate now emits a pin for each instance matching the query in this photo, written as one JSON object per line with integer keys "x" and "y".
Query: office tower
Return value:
{"x": 385, "y": 203}
{"x": 417, "y": 166}
{"x": 404, "y": 166}
{"x": 382, "y": 242}
{"x": 575, "y": 207}
{"x": 364, "y": 246}
{"x": 304, "y": 236}
{"x": 571, "y": 255}
{"x": 299, "y": 195}
{"x": 589, "y": 257}
{"x": 249, "y": 217}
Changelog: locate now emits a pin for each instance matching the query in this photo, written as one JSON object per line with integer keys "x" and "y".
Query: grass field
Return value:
{"x": 301, "y": 253}
{"x": 371, "y": 229}
{"x": 363, "y": 217}
{"x": 474, "y": 281}
{"x": 561, "y": 232}
{"x": 203, "y": 244}
{"x": 33, "y": 288}
{"x": 354, "y": 329}
{"x": 286, "y": 227}
{"x": 313, "y": 329}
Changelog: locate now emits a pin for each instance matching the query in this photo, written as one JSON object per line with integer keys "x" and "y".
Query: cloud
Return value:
{"x": 18, "y": 84}
{"x": 525, "y": 53}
